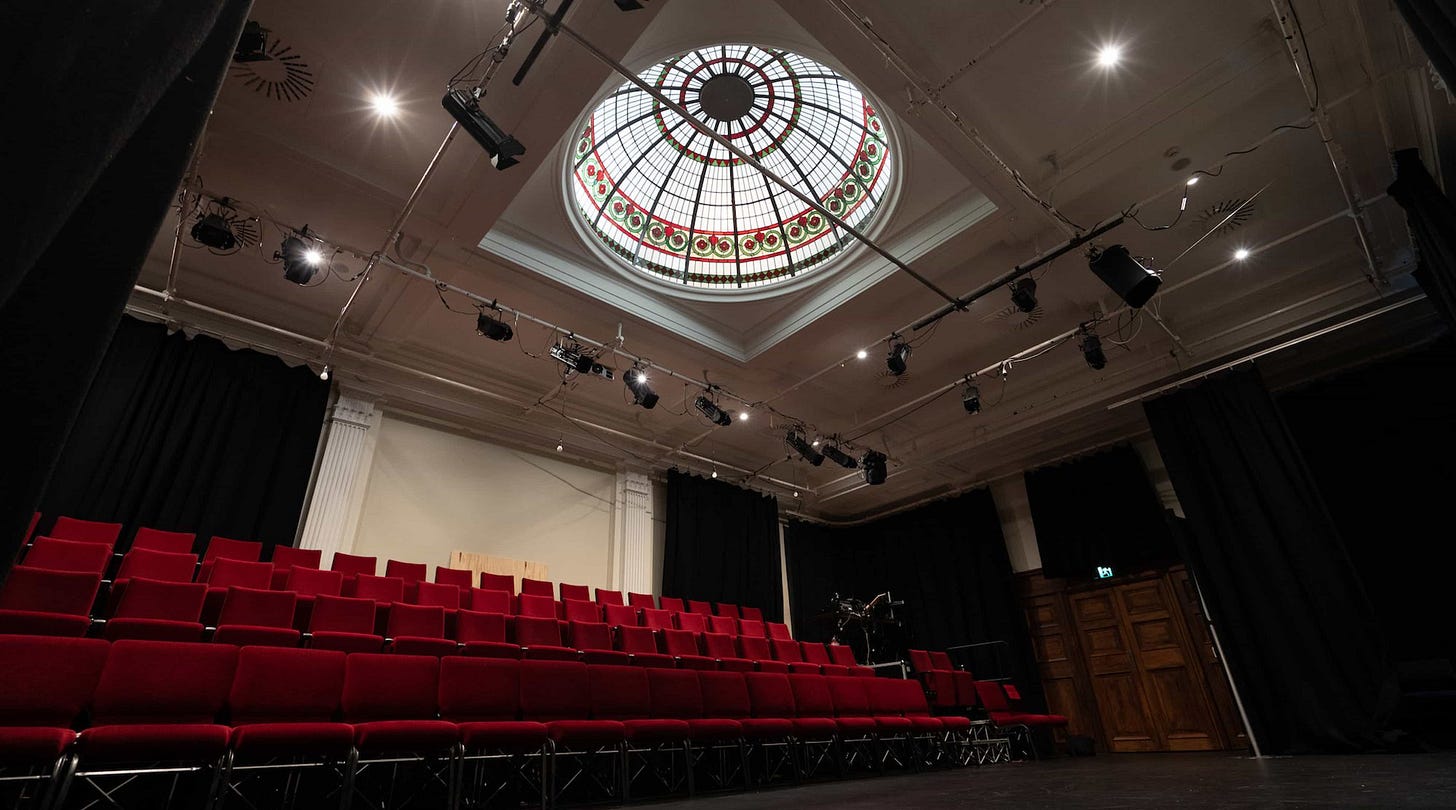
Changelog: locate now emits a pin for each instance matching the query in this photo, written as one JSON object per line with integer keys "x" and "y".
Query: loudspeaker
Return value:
{"x": 1125, "y": 275}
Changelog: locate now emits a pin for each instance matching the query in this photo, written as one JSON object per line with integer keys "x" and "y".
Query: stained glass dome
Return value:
{"x": 677, "y": 206}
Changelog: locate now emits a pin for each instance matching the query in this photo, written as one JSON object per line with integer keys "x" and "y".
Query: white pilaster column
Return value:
{"x": 1014, "y": 509}
{"x": 1158, "y": 474}
{"x": 332, "y": 509}
{"x": 634, "y": 531}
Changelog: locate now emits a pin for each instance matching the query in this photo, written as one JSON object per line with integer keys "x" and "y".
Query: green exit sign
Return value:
{"x": 1104, "y": 572}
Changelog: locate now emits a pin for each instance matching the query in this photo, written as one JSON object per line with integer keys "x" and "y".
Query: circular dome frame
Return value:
{"x": 797, "y": 125}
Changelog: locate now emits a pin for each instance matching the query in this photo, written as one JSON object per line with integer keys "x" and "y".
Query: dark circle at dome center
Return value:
{"x": 726, "y": 97}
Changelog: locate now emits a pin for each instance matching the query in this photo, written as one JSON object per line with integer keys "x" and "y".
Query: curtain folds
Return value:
{"x": 722, "y": 544}
{"x": 1301, "y": 638}
{"x": 189, "y": 435}
{"x": 105, "y": 102}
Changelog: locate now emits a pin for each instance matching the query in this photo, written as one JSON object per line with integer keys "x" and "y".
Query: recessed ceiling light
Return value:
{"x": 384, "y": 105}
{"x": 1109, "y": 55}
{"x": 861, "y": 354}
{"x": 1241, "y": 254}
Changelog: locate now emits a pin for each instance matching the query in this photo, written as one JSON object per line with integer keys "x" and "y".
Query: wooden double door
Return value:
{"x": 1131, "y": 664}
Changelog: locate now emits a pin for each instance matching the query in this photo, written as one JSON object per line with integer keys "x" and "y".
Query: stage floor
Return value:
{"x": 1135, "y": 780}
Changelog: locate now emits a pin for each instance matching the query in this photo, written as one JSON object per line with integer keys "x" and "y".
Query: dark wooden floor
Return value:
{"x": 1135, "y": 780}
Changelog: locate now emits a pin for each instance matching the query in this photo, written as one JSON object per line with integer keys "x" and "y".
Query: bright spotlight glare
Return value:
{"x": 313, "y": 256}
{"x": 743, "y": 416}
{"x": 384, "y": 105}
{"x": 1109, "y": 55}
{"x": 1241, "y": 254}
{"x": 1193, "y": 181}
{"x": 861, "y": 354}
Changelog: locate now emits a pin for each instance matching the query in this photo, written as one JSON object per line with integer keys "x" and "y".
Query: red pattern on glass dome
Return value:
{"x": 674, "y": 204}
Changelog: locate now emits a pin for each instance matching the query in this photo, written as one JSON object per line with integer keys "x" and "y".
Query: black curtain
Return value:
{"x": 189, "y": 435}
{"x": 1434, "y": 24}
{"x": 103, "y": 103}
{"x": 722, "y": 544}
{"x": 1432, "y": 221}
{"x": 946, "y": 560}
{"x": 1099, "y": 509}
{"x": 1301, "y": 639}
{"x": 1381, "y": 442}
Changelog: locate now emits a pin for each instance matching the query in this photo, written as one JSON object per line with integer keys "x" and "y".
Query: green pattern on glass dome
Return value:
{"x": 677, "y": 206}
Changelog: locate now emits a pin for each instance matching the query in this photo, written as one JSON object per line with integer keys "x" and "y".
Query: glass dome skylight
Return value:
{"x": 679, "y": 207}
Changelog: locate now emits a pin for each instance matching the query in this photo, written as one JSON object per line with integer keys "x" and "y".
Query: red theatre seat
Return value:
{"x": 779, "y": 630}
{"x": 695, "y": 622}
{"x": 723, "y": 624}
{"x": 994, "y": 700}
{"x": 461, "y": 578}
{"x": 814, "y": 706}
{"x": 752, "y": 613}
{"x": 283, "y": 703}
{"x": 725, "y": 700}
{"x": 685, "y": 647}
{"x": 344, "y": 624}
{"x": 285, "y": 558}
{"x": 159, "y": 611}
{"x": 578, "y": 610}
{"x": 418, "y": 630}
{"x": 623, "y": 694}
{"x": 49, "y": 603}
{"x": 68, "y": 555}
{"x": 48, "y": 683}
{"x": 498, "y": 582}
{"x": 579, "y": 592}
{"x": 641, "y": 600}
{"x": 751, "y": 627}
{"x": 965, "y": 682}
{"x": 815, "y": 653}
{"x": 844, "y": 656}
{"x": 729, "y": 610}
{"x": 483, "y": 698}
{"x": 594, "y": 640}
{"x": 620, "y": 615}
{"x": 160, "y": 540}
{"x": 641, "y": 644}
{"x": 224, "y": 548}
{"x": 411, "y": 574}
{"x": 484, "y": 635}
{"x": 85, "y": 531}
{"x": 758, "y": 651}
{"x": 537, "y": 587}
{"x": 252, "y": 616}
{"x": 230, "y": 573}
{"x": 658, "y": 619}
{"x": 433, "y": 593}
{"x": 390, "y": 701}
{"x": 541, "y": 638}
{"x": 700, "y": 608}
{"x": 792, "y": 654}
{"x": 537, "y": 606}
{"x": 671, "y": 604}
{"x": 605, "y": 597}
{"x": 724, "y": 648}
{"x": 559, "y": 694}
{"x": 483, "y": 600}
{"x": 352, "y": 566}
{"x": 771, "y": 701}
{"x": 383, "y": 590}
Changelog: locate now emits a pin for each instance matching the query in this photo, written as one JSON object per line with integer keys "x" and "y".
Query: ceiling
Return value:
{"x": 295, "y": 141}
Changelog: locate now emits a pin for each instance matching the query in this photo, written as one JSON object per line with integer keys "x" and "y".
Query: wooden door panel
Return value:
{"x": 1124, "y": 721}
{"x": 1186, "y": 721}
{"x": 1093, "y": 608}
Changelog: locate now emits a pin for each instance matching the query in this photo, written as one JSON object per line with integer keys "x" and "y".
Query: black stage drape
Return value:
{"x": 722, "y": 544}
{"x": 103, "y": 103}
{"x": 1099, "y": 509}
{"x": 1300, "y": 635}
{"x": 946, "y": 560}
{"x": 1432, "y": 221}
{"x": 189, "y": 435}
{"x": 1381, "y": 443}
{"x": 1434, "y": 24}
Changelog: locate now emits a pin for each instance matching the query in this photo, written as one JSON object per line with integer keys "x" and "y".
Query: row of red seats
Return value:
{"x": 950, "y": 688}
{"x": 147, "y": 706}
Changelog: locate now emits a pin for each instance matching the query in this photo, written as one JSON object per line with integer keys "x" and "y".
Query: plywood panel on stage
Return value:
{"x": 499, "y": 565}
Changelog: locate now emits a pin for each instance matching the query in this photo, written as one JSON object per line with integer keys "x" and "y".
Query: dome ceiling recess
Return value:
{"x": 675, "y": 205}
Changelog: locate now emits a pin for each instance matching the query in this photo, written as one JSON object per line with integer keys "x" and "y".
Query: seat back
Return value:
{"x": 658, "y": 619}
{"x": 537, "y": 587}
{"x": 163, "y": 682}
{"x": 159, "y": 599}
{"x": 672, "y": 604}
{"x": 814, "y": 653}
{"x": 286, "y": 685}
{"x": 578, "y": 592}
{"x": 48, "y": 681}
{"x": 473, "y": 625}
{"x": 618, "y": 692}
{"x": 723, "y": 624}
{"x": 489, "y": 601}
{"x": 165, "y": 565}
{"x": 786, "y": 650}
{"x": 842, "y": 654}
{"x": 85, "y": 531}
{"x": 811, "y": 695}
{"x": 380, "y": 589}
{"x": 37, "y": 589}
{"x": 314, "y": 582}
{"x": 636, "y": 640}
{"x": 696, "y": 622}
{"x": 406, "y": 571}
{"x": 461, "y": 578}
{"x": 256, "y": 607}
{"x": 579, "y": 610}
{"x": 619, "y": 615}
{"x": 907, "y": 696}
{"x": 752, "y": 613}
{"x": 641, "y": 600}
{"x": 919, "y": 661}
{"x": 991, "y": 696}
{"x": 769, "y": 694}
{"x": 605, "y": 597}
{"x": 474, "y": 690}
{"x": 224, "y": 548}
{"x": 881, "y": 696}
{"x": 750, "y": 627}
{"x": 379, "y": 686}
{"x": 498, "y": 582}
{"x": 700, "y": 608}
{"x": 729, "y": 610}
{"x": 719, "y": 645}
{"x": 554, "y": 690}
{"x": 778, "y": 630}
{"x": 675, "y": 693}
{"x": 725, "y": 695}
{"x": 849, "y": 695}
{"x": 341, "y": 614}
{"x": 351, "y": 565}
{"x": 590, "y": 635}
{"x": 68, "y": 555}
{"x": 941, "y": 661}
{"x": 160, "y": 540}
{"x": 1012, "y": 693}
{"x": 681, "y": 642}
{"x": 536, "y": 605}
{"x": 228, "y": 572}
{"x": 433, "y": 593}
{"x": 424, "y": 621}
{"x": 537, "y": 631}
{"x": 286, "y": 557}
{"x": 755, "y": 649}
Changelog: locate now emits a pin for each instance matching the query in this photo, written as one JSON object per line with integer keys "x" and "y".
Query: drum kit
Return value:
{"x": 873, "y": 629}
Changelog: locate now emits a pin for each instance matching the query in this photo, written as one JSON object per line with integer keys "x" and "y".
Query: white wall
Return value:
{"x": 1014, "y": 510}
{"x": 431, "y": 491}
